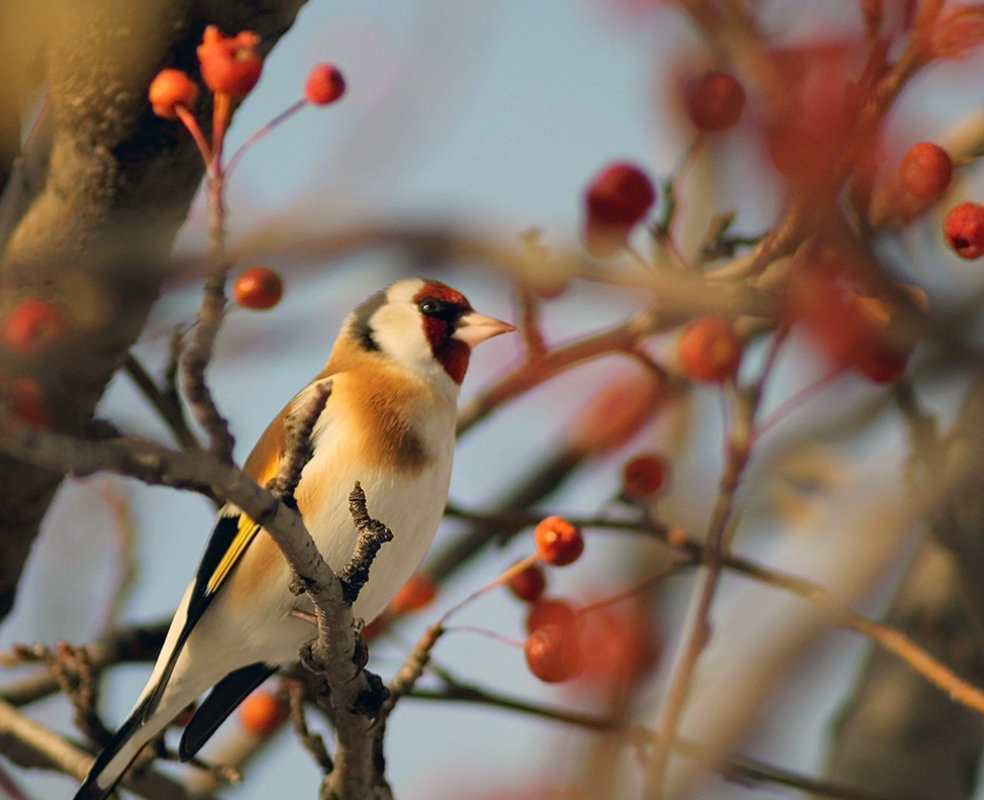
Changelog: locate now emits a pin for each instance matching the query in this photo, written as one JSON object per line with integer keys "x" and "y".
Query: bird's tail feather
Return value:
{"x": 122, "y": 749}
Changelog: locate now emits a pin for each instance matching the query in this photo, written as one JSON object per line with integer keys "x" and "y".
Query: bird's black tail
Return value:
{"x": 112, "y": 762}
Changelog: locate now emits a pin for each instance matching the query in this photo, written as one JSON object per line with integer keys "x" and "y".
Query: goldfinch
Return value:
{"x": 389, "y": 423}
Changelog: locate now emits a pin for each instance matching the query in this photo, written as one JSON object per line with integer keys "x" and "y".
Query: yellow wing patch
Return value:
{"x": 244, "y": 535}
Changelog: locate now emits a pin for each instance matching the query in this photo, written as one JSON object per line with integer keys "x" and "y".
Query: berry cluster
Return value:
{"x": 230, "y": 66}
{"x": 28, "y": 332}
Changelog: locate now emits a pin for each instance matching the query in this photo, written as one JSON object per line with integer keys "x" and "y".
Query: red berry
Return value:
{"x": 963, "y": 230}
{"x": 620, "y": 195}
{"x": 32, "y": 324}
{"x": 620, "y": 645}
{"x": 325, "y": 85}
{"x": 229, "y": 64}
{"x": 709, "y": 349}
{"x": 714, "y": 101}
{"x": 27, "y": 402}
{"x": 926, "y": 170}
{"x": 551, "y": 612}
{"x": 558, "y": 542}
{"x": 262, "y": 712}
{"x": 258, "y": 288}
{"x": 169, "y": 89}
{"x": 529, "y": 584}
{"x": 553, "y": 653}
{"x": 417, "y": 593}
{"x": 644, "y": 476}
{"x": 616, "y": 201}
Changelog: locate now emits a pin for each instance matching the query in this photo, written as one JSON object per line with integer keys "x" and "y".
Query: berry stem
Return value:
{"x": 220, "y": 122}
{"x": 638, "y": 257}
{"x": 513, "y": 571}
{"x": 801, "y": 396}
{"x": 189, "y": 121}
{"x": 494, "y": 635}
{"x": 261, "y": 133}
{"x": 502, "y": 580}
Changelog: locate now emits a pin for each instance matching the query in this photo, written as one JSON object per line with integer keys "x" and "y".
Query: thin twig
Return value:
{"x": 199, "y": 351}
{"x": 165, "y": 403}
{"x": 119, "y": 647}
{"x": 891, "y": 639}
{"x": 335, "y": 648}
{"x": 735, "y": 768}
{"x": 697, "y": 630}
{"x": 313, "y": 742}
{"x": 529, "y": 325}
{"x": 125, "y": 572}
{"x": 31, "y": 744}
{"x": 261, "y": 133}
{"x": 622, "y": 339}
{"x": 298, "y": 447}
{"x": 373, "y": 534}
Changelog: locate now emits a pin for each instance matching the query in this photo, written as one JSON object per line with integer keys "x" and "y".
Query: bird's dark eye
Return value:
{"x": 441, "y": 309}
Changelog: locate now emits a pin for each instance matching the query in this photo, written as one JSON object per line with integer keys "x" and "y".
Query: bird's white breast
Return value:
{"x": 409, "y": 501}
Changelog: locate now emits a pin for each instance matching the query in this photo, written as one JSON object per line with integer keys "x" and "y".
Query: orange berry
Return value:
{"x": 258, "y": 288}
{"x": 263, "y": 712}
{"x": 417, "y": 593}
{"x": 31, "y": 325}
{"x": 644, "y": 476}
{"x": 714, "y": 101}
{"x": 551, "y": 612}
{"x": 558, "y": 542}
{"x": 529, "y": 584}
{"x": 553, "y": 653}
{"x": 709, "y": 349}
{"x": 926, "y": 170}
{"x": 229, "y": 64}
{"x": 169, "y": 89}
{"x": 325, "y": 85}
{"x": 963, "y": 230}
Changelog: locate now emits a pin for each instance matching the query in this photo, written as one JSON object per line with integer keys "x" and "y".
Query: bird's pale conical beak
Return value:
{"x": 474, "y": 328}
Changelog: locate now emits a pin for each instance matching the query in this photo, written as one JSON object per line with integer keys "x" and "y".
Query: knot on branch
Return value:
{"x": 370, "y": 701}
{"x": 298, "y": 584}
{"x": 373, "y": 534}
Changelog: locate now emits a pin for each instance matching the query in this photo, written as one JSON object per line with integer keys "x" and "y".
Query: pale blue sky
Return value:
{"x": 486, "y": 112}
